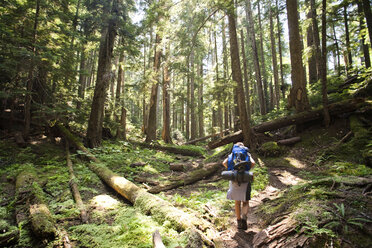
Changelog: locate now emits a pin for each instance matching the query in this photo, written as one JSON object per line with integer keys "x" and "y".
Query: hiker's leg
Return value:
{"x": 237, "y": 209}
{"x": 245, "y": 210}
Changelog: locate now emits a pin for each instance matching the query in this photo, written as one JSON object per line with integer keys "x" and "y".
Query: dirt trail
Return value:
{"x": 279, "y": 178}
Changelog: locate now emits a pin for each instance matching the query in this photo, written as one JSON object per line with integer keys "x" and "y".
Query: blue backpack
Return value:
{"x": 238, "y": 153}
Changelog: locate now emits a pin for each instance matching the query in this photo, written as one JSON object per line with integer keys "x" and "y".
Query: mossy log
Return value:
{"x": 171, "y": 149}
{"x": 192, "y": 177}
{"x": 290, "y": 141}
{"x": 30, "y": 205}
{"x": 74, "y": 188}
{"x": 150, "y": 204}
{"x": 296, "y": 119}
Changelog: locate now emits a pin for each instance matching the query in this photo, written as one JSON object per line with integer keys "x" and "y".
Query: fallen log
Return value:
{"x": 75, "y": 189}
{"x": 30, "y": 205}
{"x": 290, "y": 141}
{"x": 190, "y": 178}
{"x": 296, "y": 119}
{"x": 191, "y": 142}
{"x": 148, "y": 203}
{"x": 171, "y": 149}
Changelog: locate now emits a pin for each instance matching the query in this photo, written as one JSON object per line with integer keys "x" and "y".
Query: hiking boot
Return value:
{"x": 242, "y": 224}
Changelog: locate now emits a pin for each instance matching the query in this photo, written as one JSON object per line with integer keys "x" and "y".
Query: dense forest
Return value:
{"x": 116, "y": 116}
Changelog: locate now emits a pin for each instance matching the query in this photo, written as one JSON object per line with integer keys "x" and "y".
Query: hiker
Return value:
{"x": 240, "y": 192}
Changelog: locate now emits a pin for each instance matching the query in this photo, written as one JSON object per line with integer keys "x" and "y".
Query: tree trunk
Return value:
{"x": 166, "y": 104}
{"x": 82, "y": 77}
{"x": 187, "y": 124}
{"x": 237, "y": 77}
{"x": 151, "y": 120}
{"x": 337, "y": 50}
{"x": 312, "y": 63}
{"x": 365, "y": 48}
{"x": 252, "y": 39}
{"x": 201, "y": 100}
{"x": 192, "y": 97}
{"x": 95, "y": 123}
{"x": 283, "y": 86}
{"x": 368, "y": 14}
{"x": 74, "y": 188}
{"x": 190, "y": 178}
{"x": 298, "y": 94}
{"x": 30, "y": 80}
{"x": 274, "y": 60}
{"x": 264, "y": 76}
{"x": 347, "y": 38}
{"x": 247, "y": 95}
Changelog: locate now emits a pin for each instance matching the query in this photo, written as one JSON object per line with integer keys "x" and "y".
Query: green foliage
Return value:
{"x": 270, "y": 149}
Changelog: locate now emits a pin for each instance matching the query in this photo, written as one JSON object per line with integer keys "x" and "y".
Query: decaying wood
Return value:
{"x": 191, "y": 142}
{"x": 176, "y": 167}
{"x": 171, "y": 149}
{"x": 30, "y": 205}
{"x": 156, "y": 240}
{"x": 300, "y": 118}
{"x": 290, "y": 141}
{"x": 19, "y": 139}
{"x": 75, "y": 189}
{"x": 190, "y": 178}
{"x": 146, "y": 180}
{"x": 160, "y": 209}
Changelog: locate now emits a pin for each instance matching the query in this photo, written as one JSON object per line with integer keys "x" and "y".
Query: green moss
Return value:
{"x": 270, "y": 149}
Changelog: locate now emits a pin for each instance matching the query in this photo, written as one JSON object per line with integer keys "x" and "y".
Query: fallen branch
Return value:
{"x": 171, "y": 149}
{"x": 290, "y": 141}
{"x": 148, "y": 203}
{"x": 74, "y": 188}
{"x": 190, "y": 178}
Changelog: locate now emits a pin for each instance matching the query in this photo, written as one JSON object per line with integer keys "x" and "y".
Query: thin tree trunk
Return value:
{"x": 166, "y": 103}
{"x": 95, "y": 123}
{"x": 264, "y": 76}
{"x": 29, "y": 86}
{"x": 151, "y": 120}
{"x": 298, "y": 95}
{"x": 282, "y": 84}
{"x": 247, "y": 95}
{"x": 312, "y": 63}
{"x": 192, "y": 97}
{"x": 347, "y": 37}
{"x": 82, "y": 78}
{"x": 201, "y": 100}
{"x": 337, "y": 50}
{"x": 252, "y": 39}
{"x": 327, "y": 117}
{"x": 187, "y": 124}
{"x": 274, "y": 60}
{"x": 237, "y": 77}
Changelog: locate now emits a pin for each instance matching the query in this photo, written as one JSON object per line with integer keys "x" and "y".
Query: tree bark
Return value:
{"x": 95, "y": 123}
{"x": 74, "y": 188}
{"x": 264, "y": 76}
{"x": 312, "y": 63}
{"x": 323, "y": 65}
{"x": 151, "y": 120}
{"x": 365, "y": 48}
{"x": 201, "y": 100}
{"x": 274, "y": 60}
{"x": 82, "y": 77}
{"x": 166, "y": 104}
{"x": 192, "y": 97}
{"x": 237, "y": 77}
{"x": 190, "y": 178}
{"x": 252, "y": 39}
{"x": 347, "y": 38}
{"x": 368, "y": 14}
{"x": 247, "y": 95}
{"x": 283, "y": 86}
{"x": 298, "y": 95}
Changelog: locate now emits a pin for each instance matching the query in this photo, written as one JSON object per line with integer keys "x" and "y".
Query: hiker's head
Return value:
{"x": 239, "y": 144}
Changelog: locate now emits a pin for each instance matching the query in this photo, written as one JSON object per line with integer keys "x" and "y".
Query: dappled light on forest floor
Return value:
{"x": 104, "y": 202}
{"x": 295, "y": 162}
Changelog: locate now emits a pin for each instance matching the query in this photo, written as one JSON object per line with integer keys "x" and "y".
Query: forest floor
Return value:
{"x": 286, "y": 184}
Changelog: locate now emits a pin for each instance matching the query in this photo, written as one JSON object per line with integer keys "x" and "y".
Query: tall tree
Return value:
{"x": 298, "y": 95}
{"x": 368, "y": 14}
{"x": 252, "y": 41}
{"x": 109, "y": 31}
{"x": 347, "y": 38}
{"x": 280, "y": 50}
{"x": 245, "y": 69}
{"x": 201, "y": 99}
{"x": 237, "y": 75}
{"x": 313, "y": 72}
{"x": 192, "y": 97}
{"x": 365, "y": 48}
{"x": 166, "y": 101}
{"x": 274, "y": 59}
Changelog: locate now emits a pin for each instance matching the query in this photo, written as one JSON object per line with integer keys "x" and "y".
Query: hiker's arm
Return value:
{"x": 224, "y": 163}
